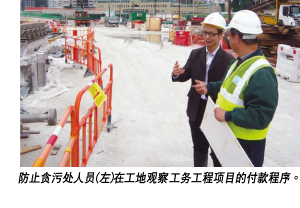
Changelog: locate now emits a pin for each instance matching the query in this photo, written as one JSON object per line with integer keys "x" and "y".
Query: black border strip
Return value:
{"x": 157, "y": 177}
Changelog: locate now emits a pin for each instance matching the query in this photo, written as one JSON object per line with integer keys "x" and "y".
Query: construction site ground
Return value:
{"x": 150, "y": 126}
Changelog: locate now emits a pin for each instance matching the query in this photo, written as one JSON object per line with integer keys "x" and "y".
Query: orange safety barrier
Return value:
{"x": 82, "y": 50}
{"x": 90, "y": 125}
{"x": 171, "y": 33}
{"x": 182, "y": 38}
{"x": 76, "y": 51}
{"x": 79, "y": 33}
{"x": 70, "y": 111}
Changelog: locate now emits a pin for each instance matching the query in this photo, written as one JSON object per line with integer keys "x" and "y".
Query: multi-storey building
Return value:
{"x": 86, "y": 3}
{"x": 58, "y": 3}
{"x": 160, "y": 6}
{"x": 29, "y": 3}
{"x": 73, "y": 3}
{"x": 34, "y": 3}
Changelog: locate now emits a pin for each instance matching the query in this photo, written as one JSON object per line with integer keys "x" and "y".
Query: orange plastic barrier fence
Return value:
{"x": 78, "y": 32}
{"x": 70, "y": 111}
{"x": 81, "y": 49}
{"x": 90, "y": 126}
{"x": 171, "y": 33}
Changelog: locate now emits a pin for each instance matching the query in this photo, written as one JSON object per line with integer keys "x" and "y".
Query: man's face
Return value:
{"x": 211, "y": 36}
{"x": 230, "y": 38}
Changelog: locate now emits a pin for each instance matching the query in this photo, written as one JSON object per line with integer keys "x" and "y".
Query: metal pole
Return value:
{"x": 186, "y": 8}
{"x": 133, "y": 6}
{"x": 179, "y": 9}
{"x": 229, "y": 10}
{"x": 169, "y": 6}
{"x": 120, "y": 12}
{"x": 193, "y": 8}
{"x": 109, "y": 8}
{"x": 155, "y": 7}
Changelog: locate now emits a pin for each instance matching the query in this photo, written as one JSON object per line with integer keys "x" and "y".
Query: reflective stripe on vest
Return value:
{"x": 231, "y": 94}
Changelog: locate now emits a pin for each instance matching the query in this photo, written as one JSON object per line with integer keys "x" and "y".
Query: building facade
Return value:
{"x": 73, "y": 3}
{"x": 160, "y": 6}
{"x": 86, "y": 3}
{"x": 58, "y": 3}
{"x": 29, "y": 3}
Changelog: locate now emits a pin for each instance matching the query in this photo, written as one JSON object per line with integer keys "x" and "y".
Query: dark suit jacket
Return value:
{"x": 195, "y": 68}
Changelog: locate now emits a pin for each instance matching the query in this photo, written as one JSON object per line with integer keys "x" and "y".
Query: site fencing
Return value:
{"x": 89, "y": 126}
{"x": 288, "y": 62}
{"x": 81, "y": 49}
{"x": 35, "y": 15}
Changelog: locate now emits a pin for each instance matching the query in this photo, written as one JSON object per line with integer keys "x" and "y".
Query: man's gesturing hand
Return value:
{"x": 177, "y": 70}
{"x": 200, "y": 87}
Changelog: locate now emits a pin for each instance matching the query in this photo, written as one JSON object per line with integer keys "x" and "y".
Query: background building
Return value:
{"x": 58, "y": 3}
{"x": 34, "y": 3}
{"x": 86, "y": 3}
{"x": 160, "y": 6}
{"x": 29, "y": 3}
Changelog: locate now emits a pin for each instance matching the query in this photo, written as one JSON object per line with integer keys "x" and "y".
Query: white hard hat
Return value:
{"x": 216, "y": 20}
{"x": 247, "y": 22}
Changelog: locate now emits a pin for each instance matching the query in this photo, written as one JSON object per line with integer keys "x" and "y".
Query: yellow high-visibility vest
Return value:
{"x": 231, "y": 94}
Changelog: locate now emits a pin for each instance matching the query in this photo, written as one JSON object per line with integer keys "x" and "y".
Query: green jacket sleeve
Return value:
{"x": 260, "y": 101}
{"x": 213, "y": 88}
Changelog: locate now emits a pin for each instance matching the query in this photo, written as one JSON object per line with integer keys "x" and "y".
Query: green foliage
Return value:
{"x": 68, "y": 7}
{"x": 238, "y": 5}
{"x": 245, "y": 4}
{"x": 235, "y": 5}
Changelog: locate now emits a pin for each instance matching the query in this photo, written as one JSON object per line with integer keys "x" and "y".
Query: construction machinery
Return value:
{"x": 280, "y": 26}
{"x": 82, "y": 17}
{"x": 286, "y": 12}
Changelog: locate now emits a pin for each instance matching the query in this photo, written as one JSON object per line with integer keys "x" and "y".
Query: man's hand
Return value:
{"x": 220, "y": 114}
{"x": 177, "y": 70}
{"x": 200, "y": 87}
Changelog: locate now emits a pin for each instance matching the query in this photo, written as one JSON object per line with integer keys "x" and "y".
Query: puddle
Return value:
{"x": 152, "y": 38}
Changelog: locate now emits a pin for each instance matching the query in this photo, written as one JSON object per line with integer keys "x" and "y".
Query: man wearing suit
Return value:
{"x": 204, "y": 64}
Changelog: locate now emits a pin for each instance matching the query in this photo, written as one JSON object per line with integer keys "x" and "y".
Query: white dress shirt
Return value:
{"x": 209, "y": 58}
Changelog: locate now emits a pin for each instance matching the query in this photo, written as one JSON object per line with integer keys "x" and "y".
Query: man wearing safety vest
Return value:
{"x": 206, "y": 64}
{"x": 248, "y": 93}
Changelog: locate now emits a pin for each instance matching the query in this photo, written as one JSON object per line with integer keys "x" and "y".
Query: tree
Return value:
{"x": 235, "y": 5}
{"x": 238, "y": 5}
{"x": 245, "y": 4}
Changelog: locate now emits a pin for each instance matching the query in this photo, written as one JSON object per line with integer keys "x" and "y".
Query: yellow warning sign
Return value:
{"x": 97, "y": 94}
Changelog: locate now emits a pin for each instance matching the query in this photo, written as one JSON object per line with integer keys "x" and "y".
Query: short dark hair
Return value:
{"x": 219, "y": 31}
{"x": 234, "y": 31}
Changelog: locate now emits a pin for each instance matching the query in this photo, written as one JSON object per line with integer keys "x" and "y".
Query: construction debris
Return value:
{"x": 33, "y": 31}
{"x": 55, "y": 149}
{"x": 50, "y": 116}
{"x": 29, "y": 149}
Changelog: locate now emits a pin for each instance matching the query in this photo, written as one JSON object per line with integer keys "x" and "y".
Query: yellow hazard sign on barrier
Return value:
{"x": 97, "y": 94}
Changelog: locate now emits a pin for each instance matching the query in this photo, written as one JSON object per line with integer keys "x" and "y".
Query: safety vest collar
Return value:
{"x": 236, "y": 81}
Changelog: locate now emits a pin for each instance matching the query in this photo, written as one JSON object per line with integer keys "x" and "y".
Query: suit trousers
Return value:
{"x": 200, "y": 142}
